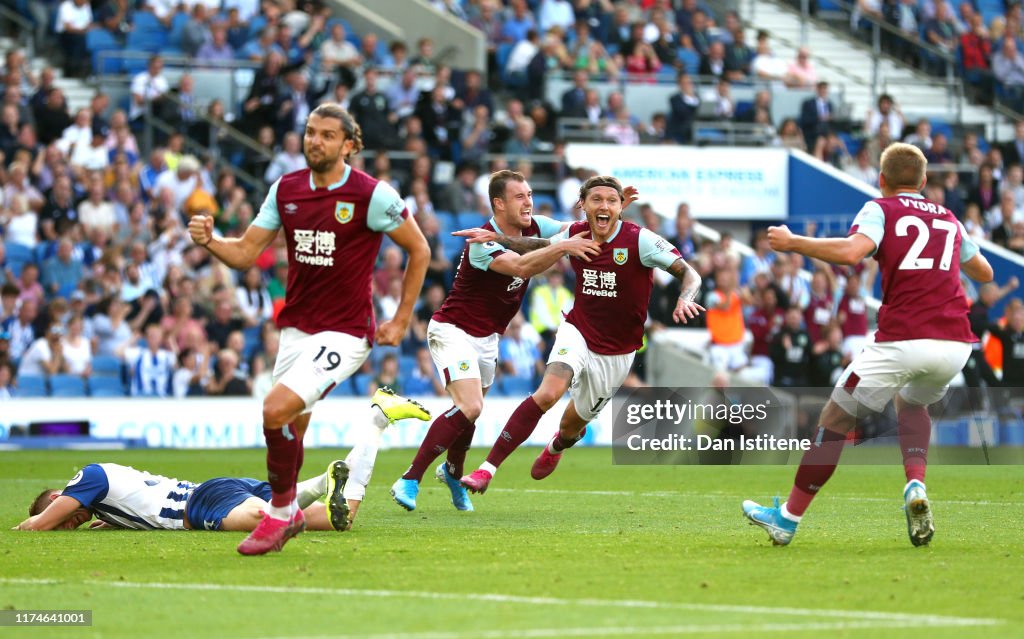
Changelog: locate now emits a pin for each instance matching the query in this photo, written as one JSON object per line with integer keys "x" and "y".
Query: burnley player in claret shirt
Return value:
{"x": 923, "y": 338}
{"x": 595, "y": 345}
{"x": 334, "y": 218}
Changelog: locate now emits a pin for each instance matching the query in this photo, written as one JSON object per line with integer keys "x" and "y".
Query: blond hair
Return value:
{"x": 903, "y": 166}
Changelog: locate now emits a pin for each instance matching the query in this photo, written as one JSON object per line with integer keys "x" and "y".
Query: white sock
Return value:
{"x": 379, "y": 419}
{"x": 489, "y": 467}
{"x": 311, "y": 490}
{"x": 361, "y": 459}
{"x": 551, "y": 446}
{"x": 282, "y": 512}
{"x": 790, "y": 516}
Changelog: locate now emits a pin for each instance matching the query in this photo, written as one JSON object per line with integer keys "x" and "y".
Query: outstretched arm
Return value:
{"x": 539, "y": 260}
{"x": 835, "y": 250}
{"x": 686, "y": 305}
{"x": 521, "y": 245}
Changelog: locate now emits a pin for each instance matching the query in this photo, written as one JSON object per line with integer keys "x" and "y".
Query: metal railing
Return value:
{"x": 23, "y": 29}
{"x": 881, "y": 34}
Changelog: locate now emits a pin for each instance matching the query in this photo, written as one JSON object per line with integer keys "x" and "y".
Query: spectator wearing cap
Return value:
{"x": 181, "y": 182}
{"x": 46, "y": 355}
{"x": 63, "y": 271}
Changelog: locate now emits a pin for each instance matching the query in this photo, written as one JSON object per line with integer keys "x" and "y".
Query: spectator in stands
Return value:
{"x": 879, "y": 143}
{"x": 725, "y": 322}
{"x": 555, "y": 13}
{"x": 861, "y": 167}
{"x": 713, "y": 63}
{"x": 764, "y": 323}
{"x": 260, "y": 107}
{"x": 827, "y": 359}
{"x": 147, "y": 87}
{"x": 216, "y": 50}
{"x": 253, "y": 298}
{"x": 765, "y": 66}
{"x": 288, "y": 159}
{"x": 940, "y": 31}
{"x": 371, "y": 110}
{"x": 642, "y": 60}
{"x": 760, "y": 261}
{"x": 1013, "y": 151}
{"x": 519, "y": 357}
{"x": 228, "y": 381}
{"x": 63, "y": 271}
{"x": 7, "y": 381}
{"x": 816, "y": 114}
{"x": 422, "y": 380}
{"x": 852, "y": 314}
{"x": 181, "y": 327}
{"x": 20, "y": 187}
{"x": 181, "y": 182}
{"x": 1008, "y": 67}
{"x": 790, "y": 135}
{"x": 976, "y": 56}
{"x": 831, "y": 149}
{"x": 519, "y": 21}
{"x": 887, "y": 112}
{"x": 922, "y": 135}
{"x": 45, "y": 356}
{"x": 442, "y": 122}
{"x": 21, "y": 328}
{"x": 8, "y": 302}
{"x": 222, "y": 324}
{"x": 387, "y": 375}
{"x": 738, "y": 57}
{"x": 150, "y": 367}
{"x": 74, "y": 19}
{"x": 801, "y": 73}
{"x": 196, "y": 31}
{"x": 548, "y": 300}
{"x": 905, "y": 16}
{"x": 59, "y": 215}
{"x": 791, "y": 352}
{"x": 939, "y": 152}
{"x": 725, "y": 106}
{"x": 51, "y": 118}
{"x": 490, "y": 22}
{"x": 683, "y": 110}
{"x": 818, "y": 312}
{"x": 76, "y": 348}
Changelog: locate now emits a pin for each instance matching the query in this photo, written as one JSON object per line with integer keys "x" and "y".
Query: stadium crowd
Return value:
{"x": 104, "y": 294}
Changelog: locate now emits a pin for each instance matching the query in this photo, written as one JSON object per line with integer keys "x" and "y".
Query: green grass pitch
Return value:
{"x": 595, "y": 550}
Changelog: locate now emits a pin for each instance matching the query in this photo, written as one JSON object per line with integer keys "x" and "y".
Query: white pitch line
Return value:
{"x": 629, "y": 631}
{"x": 913, "y": 619}
{"x": 716, "y": 495}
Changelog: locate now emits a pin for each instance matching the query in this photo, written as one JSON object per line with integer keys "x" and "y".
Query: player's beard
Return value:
{"x": 324, "y": 164}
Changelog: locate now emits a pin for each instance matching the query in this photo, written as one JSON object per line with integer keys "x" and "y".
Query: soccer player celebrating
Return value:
{"x": 595, "y": 345}
{"x": 334, "y": 217}
{"x": 122, "y": 497}
{"x": 923, "y": 338}
{"x": 463, "y": 334}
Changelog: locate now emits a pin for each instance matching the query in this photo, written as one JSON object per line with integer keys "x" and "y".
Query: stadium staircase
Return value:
{"x": 846, "y": 62}
{"x": 77, "y": 92}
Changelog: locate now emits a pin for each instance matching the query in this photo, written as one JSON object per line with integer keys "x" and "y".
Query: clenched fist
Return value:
{"x": 200, "y": 227}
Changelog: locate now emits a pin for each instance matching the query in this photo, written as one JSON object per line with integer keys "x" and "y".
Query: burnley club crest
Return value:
{"x": 343, "y": 212}
{"x": 620, "y": 255}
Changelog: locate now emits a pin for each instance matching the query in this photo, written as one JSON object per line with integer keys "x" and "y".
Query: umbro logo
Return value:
{"x": 291, "y": 208}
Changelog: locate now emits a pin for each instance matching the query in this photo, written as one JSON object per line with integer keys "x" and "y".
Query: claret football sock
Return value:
{"x": 281, "y": 457}
{"x": 914, "y": 429}
{"x": 559, "y": 443}
{"x": 445, "y": 430}
{"x": 457, "y": 451}
{"x": 817, "y": 465}
{"x": 522, "y": 422}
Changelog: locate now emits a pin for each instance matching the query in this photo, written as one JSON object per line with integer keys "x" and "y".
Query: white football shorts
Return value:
{"x": 458, "y": 355}
{"x": 595, "y": 377}
{"x": 919, "y": 370}
{"x": 311, "y": 365}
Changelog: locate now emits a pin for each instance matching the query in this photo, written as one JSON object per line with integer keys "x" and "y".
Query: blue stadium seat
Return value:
{"x": 417, "y": 387}
{"x": 452, "y": 245}
{"x": 253, "y": 343}
{"x": 406, "y": 366}
{"x": 543, "y": 198}
{"x": 361, "y": 384}
{"x": 147, "y": 34}
{"x": 344, "y": 389}
{"x": 178, "y": 23}
{"x": 18, "y": 255}
{"x": 67, "y": 386}
{"x": 470, "y": 219}
{"x": 98, "y": 41}
{"x": 31, "y": 386}
{"x": 106, "y": 386}
{"x": 690, "y": 60}
{"x": 106, "y": 366}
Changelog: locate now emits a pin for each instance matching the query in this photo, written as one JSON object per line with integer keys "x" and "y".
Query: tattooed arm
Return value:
{"x": 686, "y": 306}
{"x": 521, "y": 245}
